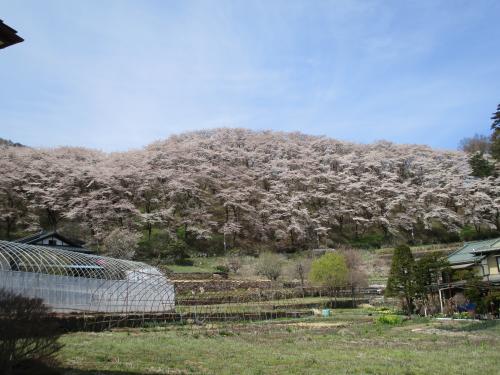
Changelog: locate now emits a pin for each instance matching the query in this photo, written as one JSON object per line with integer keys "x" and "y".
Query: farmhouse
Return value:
{"x": 54, "y": 240}
{"x": 480, "y": 257}
{"x": 479, "y": 260}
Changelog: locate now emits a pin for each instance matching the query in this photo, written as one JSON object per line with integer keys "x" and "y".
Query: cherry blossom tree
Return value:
{"x": 282, "y": 191}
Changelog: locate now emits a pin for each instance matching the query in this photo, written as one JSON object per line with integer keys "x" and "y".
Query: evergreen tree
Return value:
{"x": 496, "y": 119}
{"x": 401, "y": 282}
{"x": 480, "y": 166}
{"x": 495, "y": 145}
{"x": 495, "y": 136}
{"x": 427, "y": 272}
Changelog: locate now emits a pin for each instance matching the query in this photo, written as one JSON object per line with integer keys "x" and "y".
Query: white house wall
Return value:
{"x": 58, "y": 242}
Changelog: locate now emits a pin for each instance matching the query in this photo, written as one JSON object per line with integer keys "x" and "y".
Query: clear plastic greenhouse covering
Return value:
{"x": 68, "y": 281}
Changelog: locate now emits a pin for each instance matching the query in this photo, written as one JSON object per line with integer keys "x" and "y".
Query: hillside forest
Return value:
{"x": 216, "y": 191}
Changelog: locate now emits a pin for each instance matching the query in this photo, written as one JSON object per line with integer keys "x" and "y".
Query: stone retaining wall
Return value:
{"x": 214, "y": 285}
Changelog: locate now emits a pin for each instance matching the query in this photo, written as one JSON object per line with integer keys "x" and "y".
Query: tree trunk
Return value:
{"x": 477, "y": 228}
{"x": 8, "y": 227}
{"x": 52, "y": 218}
{"x": 409, "y": 305}
{"x": 150, "y": 228}
{"x": 497, "y": 220}
{"x": 340, "y": 219}
{"x": 334, "y": 292}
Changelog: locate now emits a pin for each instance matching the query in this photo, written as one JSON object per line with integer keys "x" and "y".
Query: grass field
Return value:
{"x": 351, "y": 342}
{"x": 295, "y": 304}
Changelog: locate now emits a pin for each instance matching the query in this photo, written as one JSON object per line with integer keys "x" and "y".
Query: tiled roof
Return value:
{"x": 73, "y": 245}
{"x": 31, "y": 237}
{"x": 44, "y": 234}
{"x": 472, "y": 252}
{"x": 488, "y": 246}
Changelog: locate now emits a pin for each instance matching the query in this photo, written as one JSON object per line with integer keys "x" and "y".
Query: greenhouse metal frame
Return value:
{"x": 71, "y": 282}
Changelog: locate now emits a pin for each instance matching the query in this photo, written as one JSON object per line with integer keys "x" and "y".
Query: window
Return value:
{"x": 52, "y": 242}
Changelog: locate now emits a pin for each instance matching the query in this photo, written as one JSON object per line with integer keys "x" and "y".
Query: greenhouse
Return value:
{"x": 71, "y": 282}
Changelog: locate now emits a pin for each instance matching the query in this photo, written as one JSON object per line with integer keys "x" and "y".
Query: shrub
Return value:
{"x": 390, "y": 319}
{"x": 222, "y": 268}
{"x": 154, "y": 246}
{"x": 461, "y": 315}
{"x": 183, "y": 262}
{"x": 121, "y": 243}
{"x": 370, "y": 241}
{"x": 233, "y": 263}
{"x": 270, "y": 265}
{"x": 469, "y": 233}
{"x": 492, "y": 301}
{"x": 26, "y": 333}
{"x": 383, "y": 310}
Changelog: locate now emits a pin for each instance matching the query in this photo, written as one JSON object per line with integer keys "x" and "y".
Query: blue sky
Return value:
{"x": 116, "y": 75}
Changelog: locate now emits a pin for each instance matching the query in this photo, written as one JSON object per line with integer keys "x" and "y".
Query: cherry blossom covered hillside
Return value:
{"x": 282, "y": 191}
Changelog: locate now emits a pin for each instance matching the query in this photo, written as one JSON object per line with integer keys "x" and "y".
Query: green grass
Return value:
{"x": 295, "y": 304}
{"x": 443, "y": 247}
{"x": 348, "y": 343}
{"x": 207, "y": 264}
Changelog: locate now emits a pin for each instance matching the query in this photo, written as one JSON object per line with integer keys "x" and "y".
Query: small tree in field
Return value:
{"x": 233, "y": 263}
{"x": 121, "y": 243}
{"x": 330, "y": 271}
{"x": 301, "y": 269}
{"x": 25, "y": 332}
{"x": 356, "y": 275}
{"x": 401, "y": 282}
{"x": 270, "y": 265}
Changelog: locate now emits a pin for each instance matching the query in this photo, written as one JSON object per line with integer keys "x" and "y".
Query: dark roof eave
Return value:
{"x": 42, "y": 235}
{"x": 486, "y": 251}
{"x": 474, "y": 261}
{"x": 29, "y": 238}
{"x": 8, "y": 36}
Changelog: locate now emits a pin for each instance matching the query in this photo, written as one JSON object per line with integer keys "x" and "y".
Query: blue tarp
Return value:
{"x": 467, "y": 307}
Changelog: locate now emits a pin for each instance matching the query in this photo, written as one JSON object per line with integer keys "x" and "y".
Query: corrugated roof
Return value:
{"x": 471, "y": 251}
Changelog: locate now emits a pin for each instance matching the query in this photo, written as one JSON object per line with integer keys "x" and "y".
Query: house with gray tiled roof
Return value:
{"x": 482, "y": 257}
